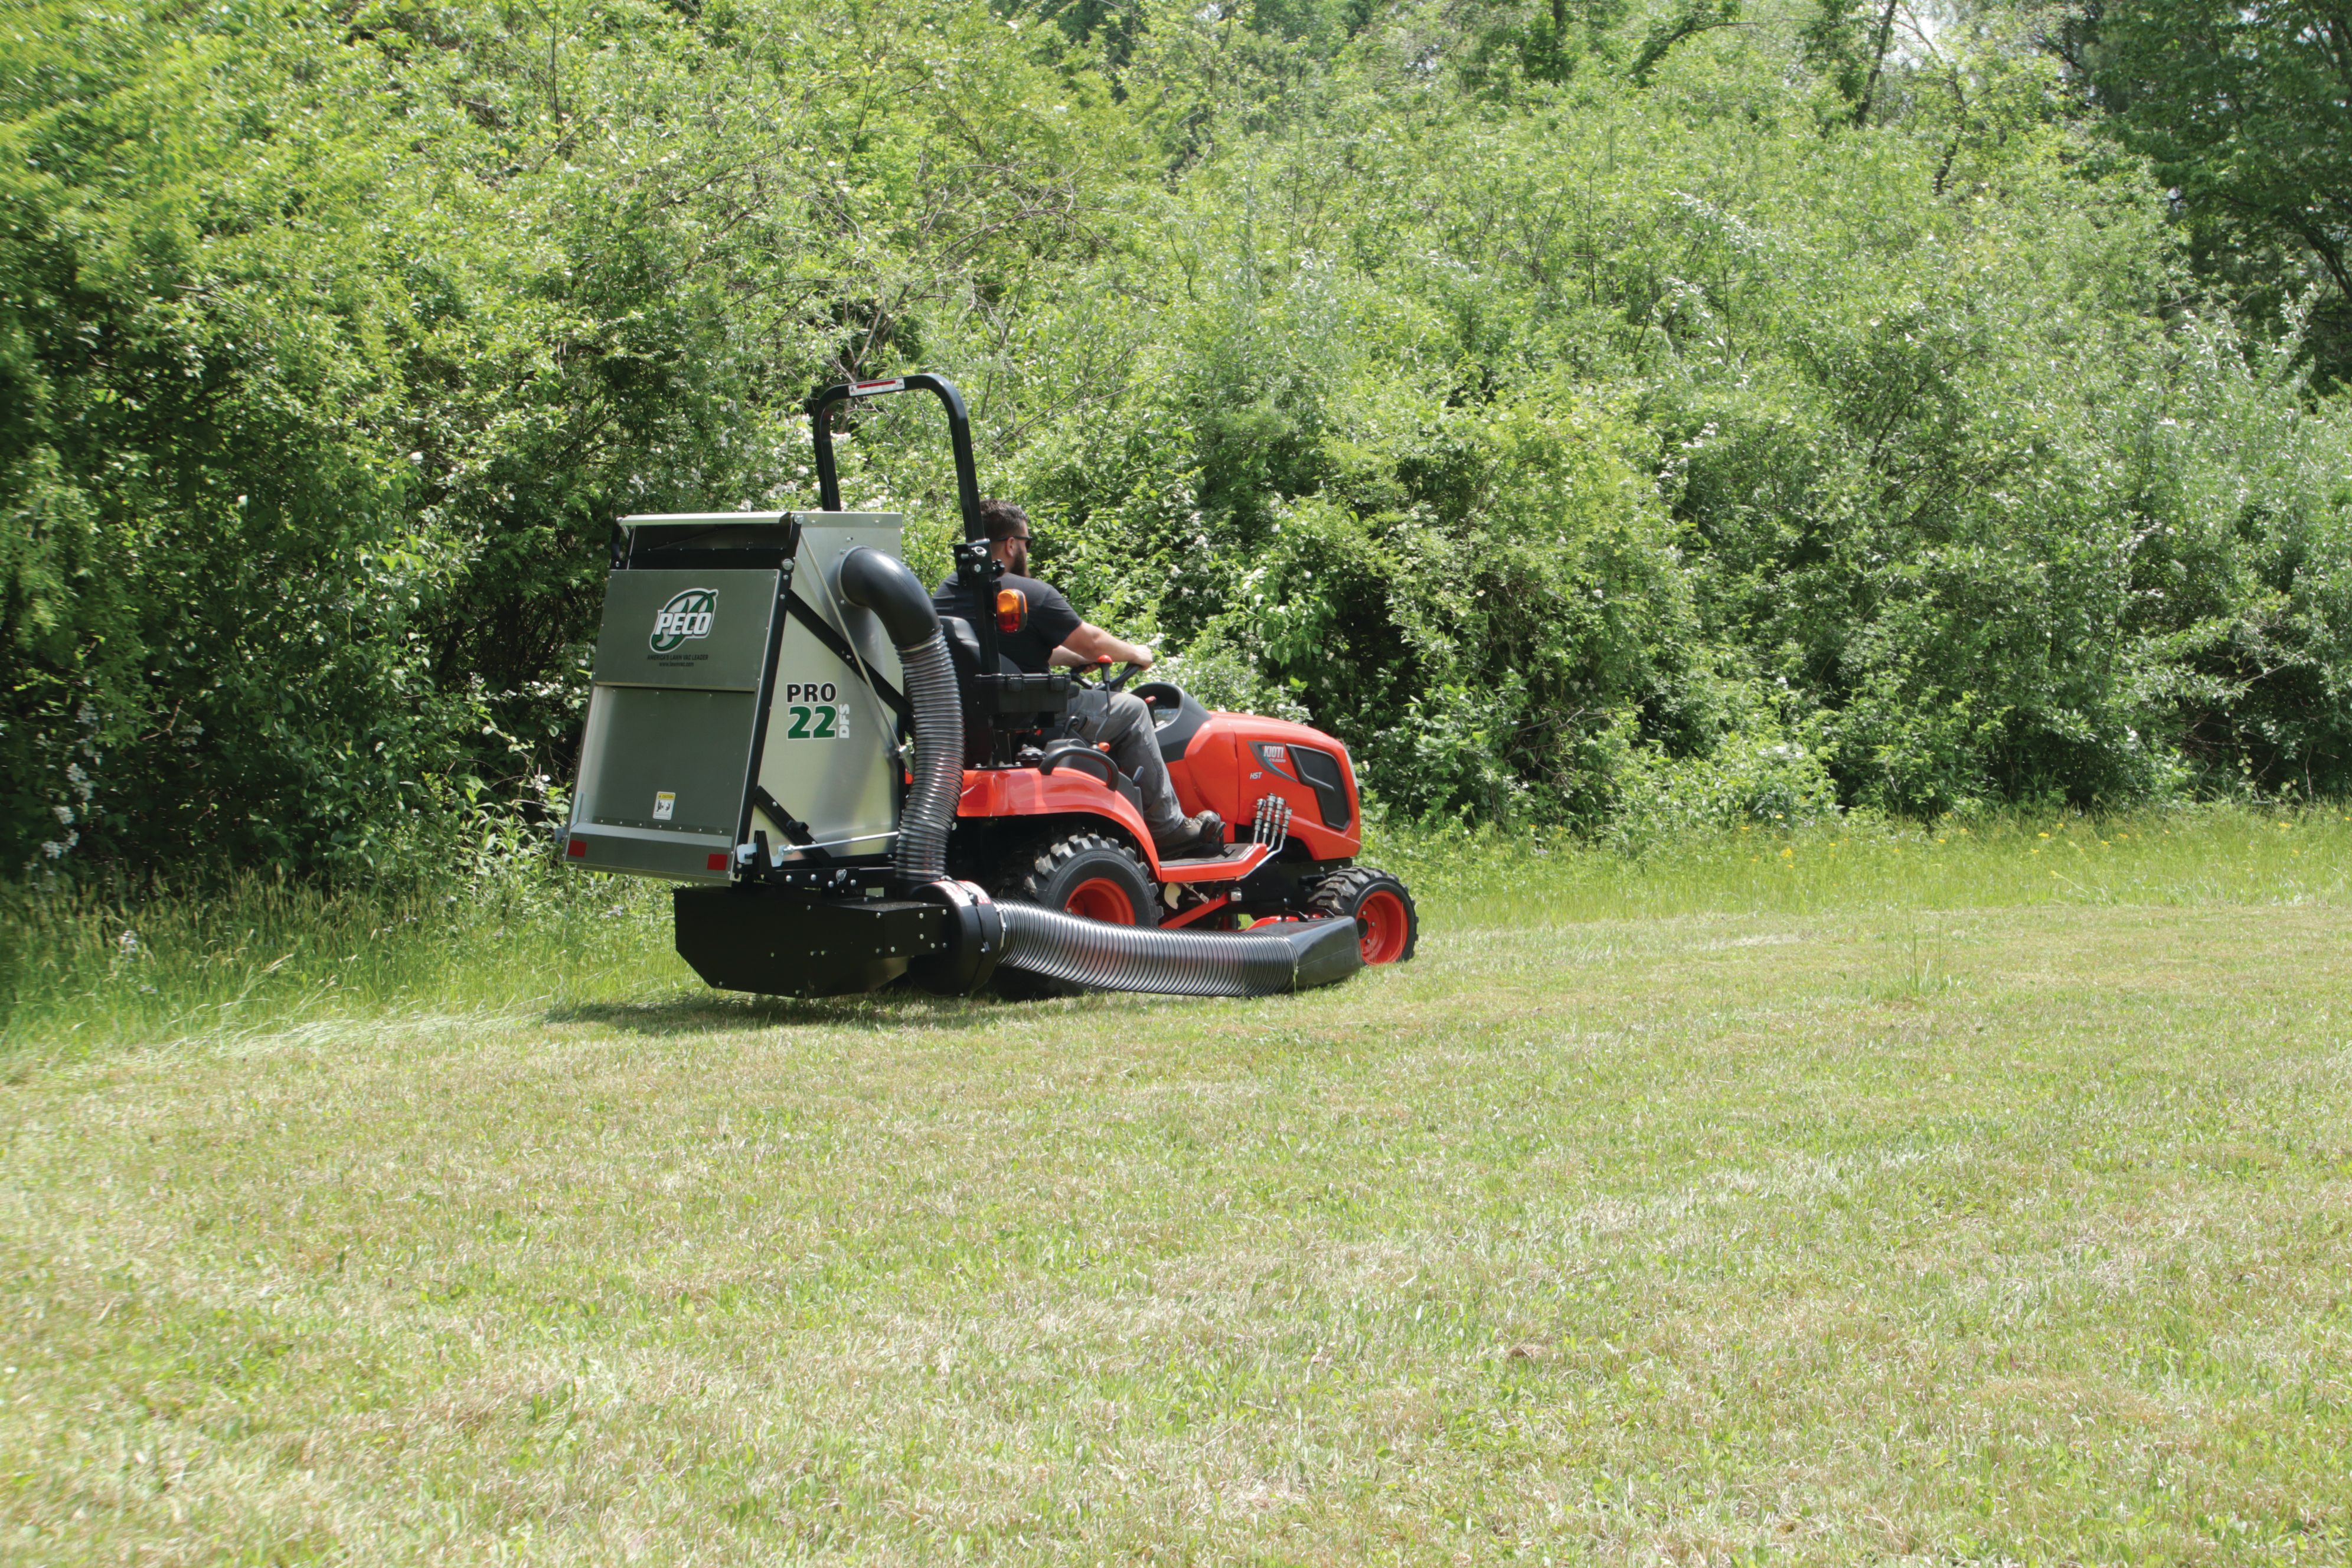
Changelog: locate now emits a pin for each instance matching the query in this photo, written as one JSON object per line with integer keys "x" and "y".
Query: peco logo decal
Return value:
{"x": 688, "y": 616}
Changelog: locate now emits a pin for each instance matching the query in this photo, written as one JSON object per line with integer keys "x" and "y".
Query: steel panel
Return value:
{"x": 716, "y": 638}
{"x": 844, "y": 786}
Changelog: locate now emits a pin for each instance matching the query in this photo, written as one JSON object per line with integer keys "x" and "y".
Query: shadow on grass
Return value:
{"x": 722, "y": 1012}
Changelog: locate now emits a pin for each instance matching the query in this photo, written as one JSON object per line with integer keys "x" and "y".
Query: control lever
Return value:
{"x": 1270, "y": 825}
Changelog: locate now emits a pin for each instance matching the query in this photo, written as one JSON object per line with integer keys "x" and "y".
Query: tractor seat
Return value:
{"x": 1012, "y": 702}
{"x": 964, "y": 646}
{"x": 964, "y": 652}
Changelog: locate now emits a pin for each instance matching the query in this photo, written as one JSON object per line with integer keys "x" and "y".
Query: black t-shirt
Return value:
{"x": 1051, "y": 620}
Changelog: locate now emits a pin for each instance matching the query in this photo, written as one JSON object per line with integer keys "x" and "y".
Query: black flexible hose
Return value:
{"x": 923, "y": 826}
{"x": 882, "y": 583}
{"x": 1265, "y": 962}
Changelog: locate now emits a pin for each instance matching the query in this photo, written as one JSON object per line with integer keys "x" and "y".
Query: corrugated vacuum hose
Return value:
{"x": 1269, "y": 959}
{"x": 882, "y": 583}
{"x": 1286, "y": 955}
{"x": 922, "y": 850}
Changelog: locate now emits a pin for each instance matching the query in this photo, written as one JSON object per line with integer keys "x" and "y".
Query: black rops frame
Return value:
{"x": 828, "y": 481}
{"x": 1012, "y": 702}
{"x": 973, "y": 563}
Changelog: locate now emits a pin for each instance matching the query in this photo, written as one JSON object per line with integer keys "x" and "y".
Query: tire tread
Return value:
{"x": 1029, "y": 870}
{"x": 1336, "y": 897}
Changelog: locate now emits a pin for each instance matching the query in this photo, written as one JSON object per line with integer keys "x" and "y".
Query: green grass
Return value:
{"x": 2220, "y": 856}
{"x": 80, "y": 973}
{"x": 265, "y": 955}
{"x": 1885, "y": 1200}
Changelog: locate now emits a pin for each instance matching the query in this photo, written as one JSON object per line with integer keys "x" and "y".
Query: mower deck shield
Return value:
{"x": 794, "y": 945}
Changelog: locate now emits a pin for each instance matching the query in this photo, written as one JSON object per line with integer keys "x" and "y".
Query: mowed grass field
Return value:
{"x": 1859, "y": 1197}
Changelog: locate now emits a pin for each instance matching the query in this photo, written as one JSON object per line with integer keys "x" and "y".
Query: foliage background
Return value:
{"x": 1609, "y": 416}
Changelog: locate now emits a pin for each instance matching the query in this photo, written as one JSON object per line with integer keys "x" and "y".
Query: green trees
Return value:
{"x": 2246, "y": 113}
{"x": 214, "y": 591}
{"x": 1909, "y": 399}
{"x": 334, "y": 343}
{"x": 1569, "y": 423}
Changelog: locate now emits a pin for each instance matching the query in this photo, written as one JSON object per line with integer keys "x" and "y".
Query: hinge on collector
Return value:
{"x": 796, "y": 832}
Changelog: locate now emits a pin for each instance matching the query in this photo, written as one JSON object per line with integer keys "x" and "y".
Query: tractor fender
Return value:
{"x": 1006, "y": 794}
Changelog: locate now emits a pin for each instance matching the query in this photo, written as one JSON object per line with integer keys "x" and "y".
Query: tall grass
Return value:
{"x": 2207, "y": 854}
{"x": 78, "y": 969}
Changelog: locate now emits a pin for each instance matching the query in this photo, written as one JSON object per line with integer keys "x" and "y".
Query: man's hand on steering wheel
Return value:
{"x": 1128, "y": 671}
{"x": 1091, "y": 648}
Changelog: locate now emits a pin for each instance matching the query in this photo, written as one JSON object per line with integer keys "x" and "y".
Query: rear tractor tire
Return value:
{"x": 1085, "y": 874}
{"x": 1386, "y": 921}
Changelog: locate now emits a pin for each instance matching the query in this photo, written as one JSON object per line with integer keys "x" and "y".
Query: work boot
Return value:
{"x": 1193, "y": 838}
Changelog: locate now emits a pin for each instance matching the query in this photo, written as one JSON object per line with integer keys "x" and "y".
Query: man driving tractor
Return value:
{"x": 1053, "y": 636}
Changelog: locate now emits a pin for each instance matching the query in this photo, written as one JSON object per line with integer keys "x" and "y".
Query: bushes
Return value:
{"x": 334, "y": 340}
{"x": 216, "y": 583}
{"x": 1475, "y": 607}
{"x": 1930, "y": 430}
{"x": 1600, "y": 450}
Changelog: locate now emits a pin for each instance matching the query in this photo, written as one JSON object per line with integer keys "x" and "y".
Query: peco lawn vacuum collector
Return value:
{"x": 857, "y": 790}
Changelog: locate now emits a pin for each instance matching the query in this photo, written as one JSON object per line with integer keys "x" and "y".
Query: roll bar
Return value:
{"x": 828, "y": 481}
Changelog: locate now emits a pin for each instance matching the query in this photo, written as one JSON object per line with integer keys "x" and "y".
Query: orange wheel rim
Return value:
{"x": 1101, "y": 898}
{"x": 1380, "y": 922}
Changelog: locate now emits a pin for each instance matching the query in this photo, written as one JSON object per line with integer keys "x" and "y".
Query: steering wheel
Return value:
{"x": 1116, "y": 683}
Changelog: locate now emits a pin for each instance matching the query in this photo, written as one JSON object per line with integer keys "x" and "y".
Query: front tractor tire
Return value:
{"x": 1386, "y": 921}
{"x": 1087, "y": 874}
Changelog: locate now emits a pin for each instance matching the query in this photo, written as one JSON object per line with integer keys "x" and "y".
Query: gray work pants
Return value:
{"x": 1096, "y": 716}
